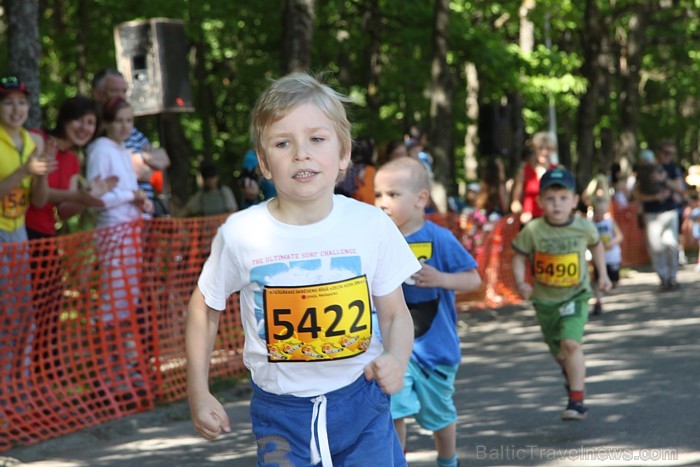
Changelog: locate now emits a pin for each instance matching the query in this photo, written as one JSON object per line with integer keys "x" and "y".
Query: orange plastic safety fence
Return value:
{"x": 92, "y": 324}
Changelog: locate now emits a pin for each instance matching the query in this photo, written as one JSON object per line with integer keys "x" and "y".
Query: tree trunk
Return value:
{"x": 24, "y": 48}
{"x": 84, "y": 74}
{"x": 180, "y": 152}
{"x": 591, "y": 33}
{"x": 630, "y": 68}
{"x": 441, "y": 96}
{"x": 526, "y": 42}
{"x": 298, "y": 17}
{"x": 373, "y": 26}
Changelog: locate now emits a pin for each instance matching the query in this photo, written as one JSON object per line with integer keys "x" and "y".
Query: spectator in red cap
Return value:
{"x": 23, "y": 168}
{"x": 23, "y": 171}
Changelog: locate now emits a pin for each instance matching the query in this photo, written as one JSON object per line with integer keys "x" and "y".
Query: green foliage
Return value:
{"x": 235, "y": 48}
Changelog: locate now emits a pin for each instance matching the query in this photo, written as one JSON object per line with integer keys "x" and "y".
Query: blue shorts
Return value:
{"x": 358, "y": 424}
{"x": 427, "y": 396}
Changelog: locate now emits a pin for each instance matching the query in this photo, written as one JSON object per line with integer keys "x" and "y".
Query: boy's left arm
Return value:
{"x": 598, "y": 252}
{"x": 462, "y": 281}
{"x": 396, "y": 326}
{"x": 618, "y": 237}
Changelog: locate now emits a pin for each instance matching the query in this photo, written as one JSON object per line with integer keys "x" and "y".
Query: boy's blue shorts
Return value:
{"x": 358, "y": 420}
{"x": 427, "y": 395}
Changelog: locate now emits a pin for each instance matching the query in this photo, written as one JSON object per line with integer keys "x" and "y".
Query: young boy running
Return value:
{"x": 310, "y": 267}
{"x": 402, "y": 190}
{"x": 556, "y": 245}
{"x": 611, "y": 236}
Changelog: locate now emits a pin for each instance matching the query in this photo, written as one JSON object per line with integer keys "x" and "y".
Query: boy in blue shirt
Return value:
{"x": 402, "y": 188}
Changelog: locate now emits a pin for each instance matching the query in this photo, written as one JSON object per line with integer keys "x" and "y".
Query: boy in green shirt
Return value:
{"x": 556, "y": 246}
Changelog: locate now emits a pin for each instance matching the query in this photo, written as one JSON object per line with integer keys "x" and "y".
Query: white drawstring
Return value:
{"x": 320, "y": 415}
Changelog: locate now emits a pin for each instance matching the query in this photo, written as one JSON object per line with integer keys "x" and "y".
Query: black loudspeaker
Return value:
{"x": 152, "y": 56}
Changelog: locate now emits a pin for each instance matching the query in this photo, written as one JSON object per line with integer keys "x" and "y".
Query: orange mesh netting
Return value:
{"x": 93, "y": 323}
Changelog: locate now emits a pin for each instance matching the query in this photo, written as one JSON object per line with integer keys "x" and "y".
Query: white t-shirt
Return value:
{"x": 316, "y": 283}
{"x": 606, "y": 230}
{"x": 106, "y": 158}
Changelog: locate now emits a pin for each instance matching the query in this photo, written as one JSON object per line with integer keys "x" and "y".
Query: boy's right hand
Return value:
{"x": 524, "y": 289}
{"x": 208, "y": 416}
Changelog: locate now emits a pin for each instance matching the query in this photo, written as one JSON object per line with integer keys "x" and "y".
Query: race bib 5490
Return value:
{"x": 317, "y": 323}
{"x": 557, "y": 270}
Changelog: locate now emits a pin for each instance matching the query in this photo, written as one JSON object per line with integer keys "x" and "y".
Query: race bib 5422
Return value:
{"x": 317, "y": 323}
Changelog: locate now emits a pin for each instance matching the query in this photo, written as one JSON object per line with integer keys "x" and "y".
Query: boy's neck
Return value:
{"x": 293, "y": 213}
{"x": 13, "y": 132}
{"x": 568, "y": 221}
{"x": 412, "y": 226}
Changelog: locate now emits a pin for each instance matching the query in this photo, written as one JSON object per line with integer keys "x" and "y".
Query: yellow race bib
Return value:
{"x": 423, "y": 251}
{"x": 318, "y": 323}
{"x": 557, "y": 270}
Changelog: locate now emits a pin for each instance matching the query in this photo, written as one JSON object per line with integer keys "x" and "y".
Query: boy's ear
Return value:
{"x": 423, "y": 198}
{"x": 262, "y": 165}
{"x": 344, "y": 160}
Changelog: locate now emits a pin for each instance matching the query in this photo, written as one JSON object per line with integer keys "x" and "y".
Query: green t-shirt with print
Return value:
{"x": 557, "y": 255}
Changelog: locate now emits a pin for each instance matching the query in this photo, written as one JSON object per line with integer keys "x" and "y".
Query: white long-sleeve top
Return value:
{"x": 106, "y": 158}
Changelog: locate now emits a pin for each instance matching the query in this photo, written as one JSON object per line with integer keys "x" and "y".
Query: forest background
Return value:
{"x": 610, "y": 77}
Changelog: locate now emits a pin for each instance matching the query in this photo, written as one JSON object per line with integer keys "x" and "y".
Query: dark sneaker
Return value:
{"x": 673, "y": 285}
{"x": 574, "y": 411}
{"x": 597, "y": 309}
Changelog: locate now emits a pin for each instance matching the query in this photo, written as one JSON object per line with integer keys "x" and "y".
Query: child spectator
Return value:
{"x": 107, "y": 157}
{"x": 310, "y": 266}
{"x": 611, "y": 237}
{"x": 23, "y": 173}
{"x": 23, "y": 168}
{"x": 402, "y": 189}
{"x": 119, "y": 241}
{"x": 556, "y": 245}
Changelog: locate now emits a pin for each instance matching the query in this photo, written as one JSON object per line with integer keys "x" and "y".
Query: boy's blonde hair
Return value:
{"x": 419, "y": 178}
{"x": 286, "y": 93}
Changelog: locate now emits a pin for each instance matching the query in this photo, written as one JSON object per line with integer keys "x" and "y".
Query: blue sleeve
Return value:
{"x": 454, "y": 257}
{"x": 136, "y": 140}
